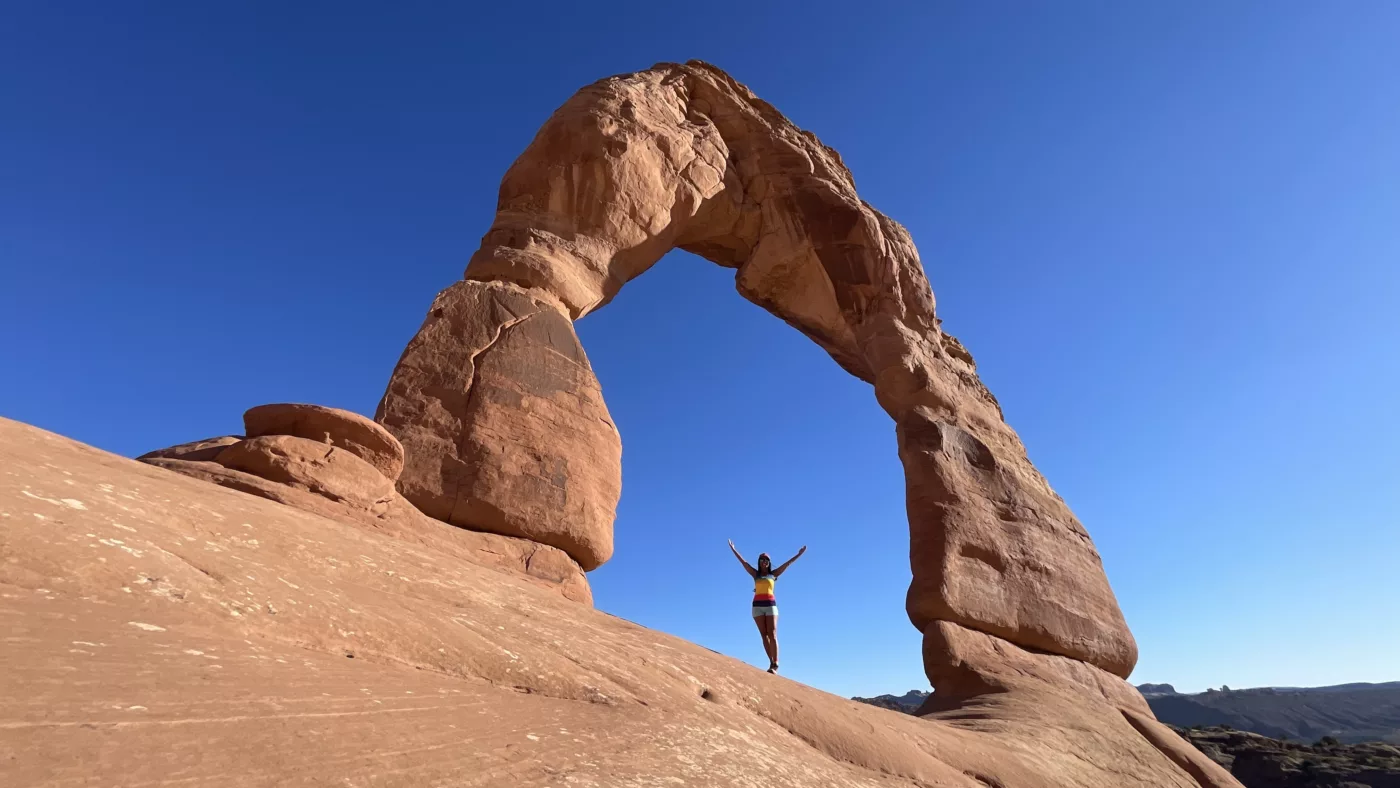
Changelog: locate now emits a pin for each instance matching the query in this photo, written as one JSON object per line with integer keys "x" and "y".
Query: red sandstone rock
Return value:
{"x": 503, "y": 422}
{"x": 312, "y": 466}
{"x": 194, "y": 451}
{"x": 352, "y": 432}
{"x": 964, "y": 663}
{"x": 684, "y": 156}
{"x": 162, "y": 630}
{"x": 993, "y": 548}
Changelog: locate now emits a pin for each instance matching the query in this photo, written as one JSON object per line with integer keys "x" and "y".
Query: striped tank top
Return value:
{"x": 763, "y": 590}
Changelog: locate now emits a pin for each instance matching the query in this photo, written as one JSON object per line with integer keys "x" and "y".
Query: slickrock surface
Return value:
{"x": 161, "y": 630}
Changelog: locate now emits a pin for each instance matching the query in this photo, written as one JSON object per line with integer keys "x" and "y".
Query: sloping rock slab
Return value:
{"x": 160, "y": 629}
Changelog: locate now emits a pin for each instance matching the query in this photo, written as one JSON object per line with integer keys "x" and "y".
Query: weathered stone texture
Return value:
{"x": 503, "y": 422}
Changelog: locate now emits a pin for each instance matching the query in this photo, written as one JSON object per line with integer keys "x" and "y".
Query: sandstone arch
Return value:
{"x": 504, "y": 425}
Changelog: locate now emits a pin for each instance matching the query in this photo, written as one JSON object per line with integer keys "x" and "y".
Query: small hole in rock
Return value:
{"x": 707, "y": 695}
{"x": 348, "y": 655}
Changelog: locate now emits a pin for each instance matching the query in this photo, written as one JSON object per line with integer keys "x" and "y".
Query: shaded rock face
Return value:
{"x": 163, "y": 630}
{"x": 503, "y": 422}
{"x": 683, "y": 156}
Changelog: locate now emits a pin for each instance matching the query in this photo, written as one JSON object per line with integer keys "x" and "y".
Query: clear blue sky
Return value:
{"x": 1169, "y": 232}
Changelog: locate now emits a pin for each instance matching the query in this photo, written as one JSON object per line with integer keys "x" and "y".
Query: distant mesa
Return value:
{"x": 1351, "y": 713}
{"x": 908, "y": 703}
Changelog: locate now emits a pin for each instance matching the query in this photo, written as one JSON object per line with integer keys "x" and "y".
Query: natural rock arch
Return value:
{"x": 504, "y": 425}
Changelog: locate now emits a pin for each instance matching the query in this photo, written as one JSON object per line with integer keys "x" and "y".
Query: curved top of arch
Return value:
{"x": 683, "y": 156}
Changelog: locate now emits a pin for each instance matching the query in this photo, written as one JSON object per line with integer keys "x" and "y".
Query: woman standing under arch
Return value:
{"x": 765, "y": 604}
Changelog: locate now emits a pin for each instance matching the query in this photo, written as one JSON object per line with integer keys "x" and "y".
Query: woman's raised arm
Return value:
{"x": 788, "y": 563}
{"x": 752, "y": 572}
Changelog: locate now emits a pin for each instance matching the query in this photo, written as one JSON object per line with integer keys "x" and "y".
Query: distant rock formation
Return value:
{"x": 1262, "y": 762}
{"x": 1347, "y": 712}
{"x": 1148, "y": 690}
{"x": 909, "y": 702}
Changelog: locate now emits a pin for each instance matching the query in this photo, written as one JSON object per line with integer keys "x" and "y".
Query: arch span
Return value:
{"x": 504, "y": 425}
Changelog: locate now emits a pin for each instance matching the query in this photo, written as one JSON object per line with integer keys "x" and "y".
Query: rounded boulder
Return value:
{"x": 343, "y": 429}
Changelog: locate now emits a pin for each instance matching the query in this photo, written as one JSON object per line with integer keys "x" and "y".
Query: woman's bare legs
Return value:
{"x": 768, "y": 629}
{"x": 773, "y": 638}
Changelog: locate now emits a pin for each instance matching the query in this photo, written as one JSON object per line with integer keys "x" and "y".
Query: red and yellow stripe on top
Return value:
{"x": 763, "y": 589}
